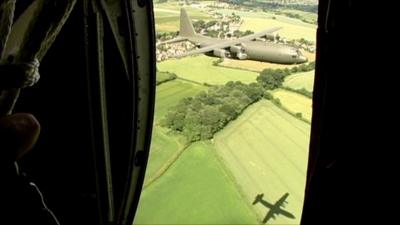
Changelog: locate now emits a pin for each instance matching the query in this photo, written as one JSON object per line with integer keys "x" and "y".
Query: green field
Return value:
{"x": 295, "y": 103}
{"x": 308, "y": 16}
{"x": 170, "y": 93}
{"x": 165, "y": 147}
{"x": 266, "y": 150}
{"x": 201, "y": 69}
{"x": 195, "y": 190}
{"x": 301, "y": 80}
{"x": 167, "y": 16}
{"x": 162, "y": 77}
{"x": 253, "y": 65}
{"x": 289, "y": 30}
{"x": 167, "y": 20}
{"x": 268, "y": 16}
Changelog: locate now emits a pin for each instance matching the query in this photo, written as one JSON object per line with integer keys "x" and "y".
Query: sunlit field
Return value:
{"x": 295, "y": 103}
{"x": 170, "y": 93}
{"x": 195, "y": 190}
{"x": 252, "y": 65}
{"x": 167, "y": 16}
{"x": 289, "y": 30}
{"x": 266, "y": 150}
{"x": 201, "y": 69}
{"x": 166, "y": 146}
{"x": 300, "y": 80}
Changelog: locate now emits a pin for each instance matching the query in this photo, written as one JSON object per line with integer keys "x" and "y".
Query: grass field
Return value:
{"x": 162, "y": 76}
{"x": 201, "y": 69}
{"x": 167, "y": 16}
{"x": 268, "y": 15}
{"x": 170, "y": 93}
{"x": 301, "y": 80}
{"x": 253, "y": 65}
{"x": 195, "y": 190}
{"x": 266, "y": 150}
{"x": 295, "y": 103}
{"x": 167, "y": 19}
{"x": 309, "y": 16}
{"x": 165, "y": 147}
{"x": 289, "y": 30}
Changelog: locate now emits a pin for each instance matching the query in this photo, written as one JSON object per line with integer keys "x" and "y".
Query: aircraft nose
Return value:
{"x": 303, "y": 59}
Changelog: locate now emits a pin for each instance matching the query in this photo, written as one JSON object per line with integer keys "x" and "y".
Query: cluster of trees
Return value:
{"x": 296, "y": 16}
{"x": 299, "y": 42}
{"x": 277, "y": 4}
{"x": 273, "y": 78}
{"x": 163, "y": 77}
{"x": 238, "y": 33}
{"x": 301, "y": 91}
{"x": 201, "y": 116}
{"x": 162, "y": 36}
{"x": 199, "y": 25}
{"x": 222, "y": 28}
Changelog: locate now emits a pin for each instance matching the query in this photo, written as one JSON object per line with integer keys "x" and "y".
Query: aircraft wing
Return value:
{"x": 281, "y": 203}
{"x": 269, "y": 215}
{"x": 178, "y": 39}
{"x": 225, "y": 44}
{"x": 282, "y": 200}
{"x": 259, "y": 34}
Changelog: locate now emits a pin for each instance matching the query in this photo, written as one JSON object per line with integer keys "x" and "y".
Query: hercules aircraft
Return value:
{"x": 274, "y": 208}
{"x": 246, "y": 47}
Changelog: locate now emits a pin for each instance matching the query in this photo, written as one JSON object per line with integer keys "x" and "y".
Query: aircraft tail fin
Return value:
{"x": 258, "y": 198}
{"x": 186, "y": 26}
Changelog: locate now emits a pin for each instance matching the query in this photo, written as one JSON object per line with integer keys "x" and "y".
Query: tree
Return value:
{"x": 268, "y": 95}
{"x": 271, "y": 79}
{"x": 201, "y": 116}
{"x": 229, "y": 110}
{"x": 254, "y": 91}
{"x": 192, "y": 125}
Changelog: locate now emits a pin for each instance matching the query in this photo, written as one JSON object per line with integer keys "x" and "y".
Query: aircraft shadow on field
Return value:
{"x": 274, "y": 209}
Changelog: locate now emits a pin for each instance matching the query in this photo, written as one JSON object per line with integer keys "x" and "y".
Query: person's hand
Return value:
{"x": 18, "y": 134}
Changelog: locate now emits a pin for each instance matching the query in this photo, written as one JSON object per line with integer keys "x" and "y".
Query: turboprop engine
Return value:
{"x": 239, "y": 52}
{"x": 221, "y": 53}
{"x": 272, "y": 37}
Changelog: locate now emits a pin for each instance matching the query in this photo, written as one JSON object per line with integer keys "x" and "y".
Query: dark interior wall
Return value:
{"x": 348, "y": 127}
{"x": 61, "y": 162}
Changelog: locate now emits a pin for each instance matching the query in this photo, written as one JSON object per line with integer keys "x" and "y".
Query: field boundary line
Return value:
{"x": 163, "y": 169}
{"x": 289, "y": 111}
{"x": 194, "y": 82}
{"x": 236, "y": 68}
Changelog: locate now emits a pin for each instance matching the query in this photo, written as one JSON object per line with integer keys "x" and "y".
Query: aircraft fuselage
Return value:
{"x": 253, "y": 50}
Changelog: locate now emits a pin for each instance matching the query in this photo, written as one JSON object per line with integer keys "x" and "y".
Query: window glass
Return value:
{"x": 233, "y": 112}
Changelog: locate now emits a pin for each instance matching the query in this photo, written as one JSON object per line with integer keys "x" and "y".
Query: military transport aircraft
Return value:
{"x": 274, "y": 208}
{"x": 247, "y": 47}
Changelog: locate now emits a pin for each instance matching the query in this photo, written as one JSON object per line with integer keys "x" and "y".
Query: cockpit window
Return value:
{"x": 232, "y": 122}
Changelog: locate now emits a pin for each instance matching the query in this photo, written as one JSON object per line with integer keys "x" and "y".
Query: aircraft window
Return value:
{"x": 232, "y": 123}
